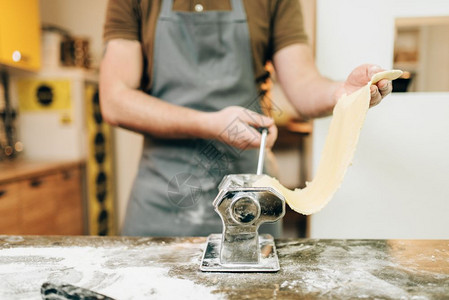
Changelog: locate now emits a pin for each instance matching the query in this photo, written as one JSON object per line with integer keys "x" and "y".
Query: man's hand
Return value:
{"x": 359, "y": 77}
{"x": 237, "y": 126}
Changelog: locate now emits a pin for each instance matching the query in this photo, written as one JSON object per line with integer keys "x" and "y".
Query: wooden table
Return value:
{"x": 168, "y": 268}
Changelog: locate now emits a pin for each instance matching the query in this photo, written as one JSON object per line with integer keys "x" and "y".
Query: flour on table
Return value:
{"x": 106, "y": 271}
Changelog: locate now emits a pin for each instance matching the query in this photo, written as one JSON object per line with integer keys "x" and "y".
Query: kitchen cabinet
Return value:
{"x": 9, "y": 208}
{"x": 69, "y": 218}
{"x": 41, "y": 198}
{"x": 38, "y": 196}
{"x": 67, "y": 125}
{"x": 20, "y": 34}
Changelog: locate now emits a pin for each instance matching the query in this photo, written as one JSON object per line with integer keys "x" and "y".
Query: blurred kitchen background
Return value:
{"x": 64, "y": 171}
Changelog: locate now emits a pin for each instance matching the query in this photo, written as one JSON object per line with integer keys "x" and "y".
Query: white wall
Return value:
{"x": 86, "y": 18}
{"x": 352, "y": 32}
{"x": 128, "y": 148}
{"x": 397, "y": 185}
{"x": 80, "y": 17}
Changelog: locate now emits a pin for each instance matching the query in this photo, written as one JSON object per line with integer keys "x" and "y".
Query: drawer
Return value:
{"x": 9, "y": 208}
{"x": 69, "y": 223}
{"x": 69, "y": 219}
{"x": 38, "y": 199}
{"x": 71, "y": 189}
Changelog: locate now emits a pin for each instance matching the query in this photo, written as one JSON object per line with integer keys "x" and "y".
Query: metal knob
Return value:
{"x": 245, "y": 209}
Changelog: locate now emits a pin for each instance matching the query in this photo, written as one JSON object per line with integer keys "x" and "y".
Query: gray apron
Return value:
{"x": 202, "y": 61}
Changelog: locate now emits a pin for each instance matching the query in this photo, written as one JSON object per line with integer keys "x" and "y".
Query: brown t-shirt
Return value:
{"x": 273, "y": 24}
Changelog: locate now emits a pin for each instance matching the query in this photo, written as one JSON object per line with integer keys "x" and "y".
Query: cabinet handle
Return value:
{"x": 16, "y": 56}
{"x": 3, "y": 192}
{"x": 67, "y": 175}
{"x": 19, "y": 56}
{"x": 35, "y": 183}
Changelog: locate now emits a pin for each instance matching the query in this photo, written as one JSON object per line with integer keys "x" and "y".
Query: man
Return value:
{"x": 187, "y": 74}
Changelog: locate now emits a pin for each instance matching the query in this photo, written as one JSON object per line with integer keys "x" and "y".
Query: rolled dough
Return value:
{"x": 347, "y": 121}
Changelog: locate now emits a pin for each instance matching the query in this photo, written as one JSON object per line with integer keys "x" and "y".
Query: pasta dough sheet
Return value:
{"x": 347, "y": 121}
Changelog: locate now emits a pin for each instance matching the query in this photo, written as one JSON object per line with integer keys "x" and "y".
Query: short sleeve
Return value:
{"x": 288, "y": 25}
{"x": 122, "y": 20}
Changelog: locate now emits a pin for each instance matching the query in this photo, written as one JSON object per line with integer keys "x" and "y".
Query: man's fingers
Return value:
{"x": 244, "y": 132}
{"x": 256, "y": 119}
{"x": 375, "y": 95}
{"x": 251, "y": 138}
{"x": 373, "y": 69}
{"x": 385, "y": 87}
{"x": 272, "y": 136}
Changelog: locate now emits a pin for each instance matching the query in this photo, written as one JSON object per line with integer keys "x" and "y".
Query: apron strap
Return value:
{"x": 167, "y": 7}
{"x": 238, "y": 10}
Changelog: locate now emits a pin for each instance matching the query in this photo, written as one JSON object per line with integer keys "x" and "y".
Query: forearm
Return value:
{"x": 315, "y": 97}
{"x": 124, "y": 105}
{"x": 135, "y": 110}
{"x": 310, "y": 93}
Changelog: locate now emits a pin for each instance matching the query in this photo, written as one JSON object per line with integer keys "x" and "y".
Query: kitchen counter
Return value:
{"x": 22, "y": 169}
{"x": 168, "y": 268}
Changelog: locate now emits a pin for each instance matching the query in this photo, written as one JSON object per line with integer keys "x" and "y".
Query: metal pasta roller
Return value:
{"x": 243, "y": 208}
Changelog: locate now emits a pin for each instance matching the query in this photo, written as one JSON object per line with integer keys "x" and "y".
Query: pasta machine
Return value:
{"x": 243, "y": 208}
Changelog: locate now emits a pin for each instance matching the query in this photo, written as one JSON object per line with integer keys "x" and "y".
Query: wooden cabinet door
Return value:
{"x": 48, "y": 202}
{"x": 20, "y": 34}
{"x": 38, "y": 201}
{"x": 69, "y": 216}
{"x": 9, "y": 208}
